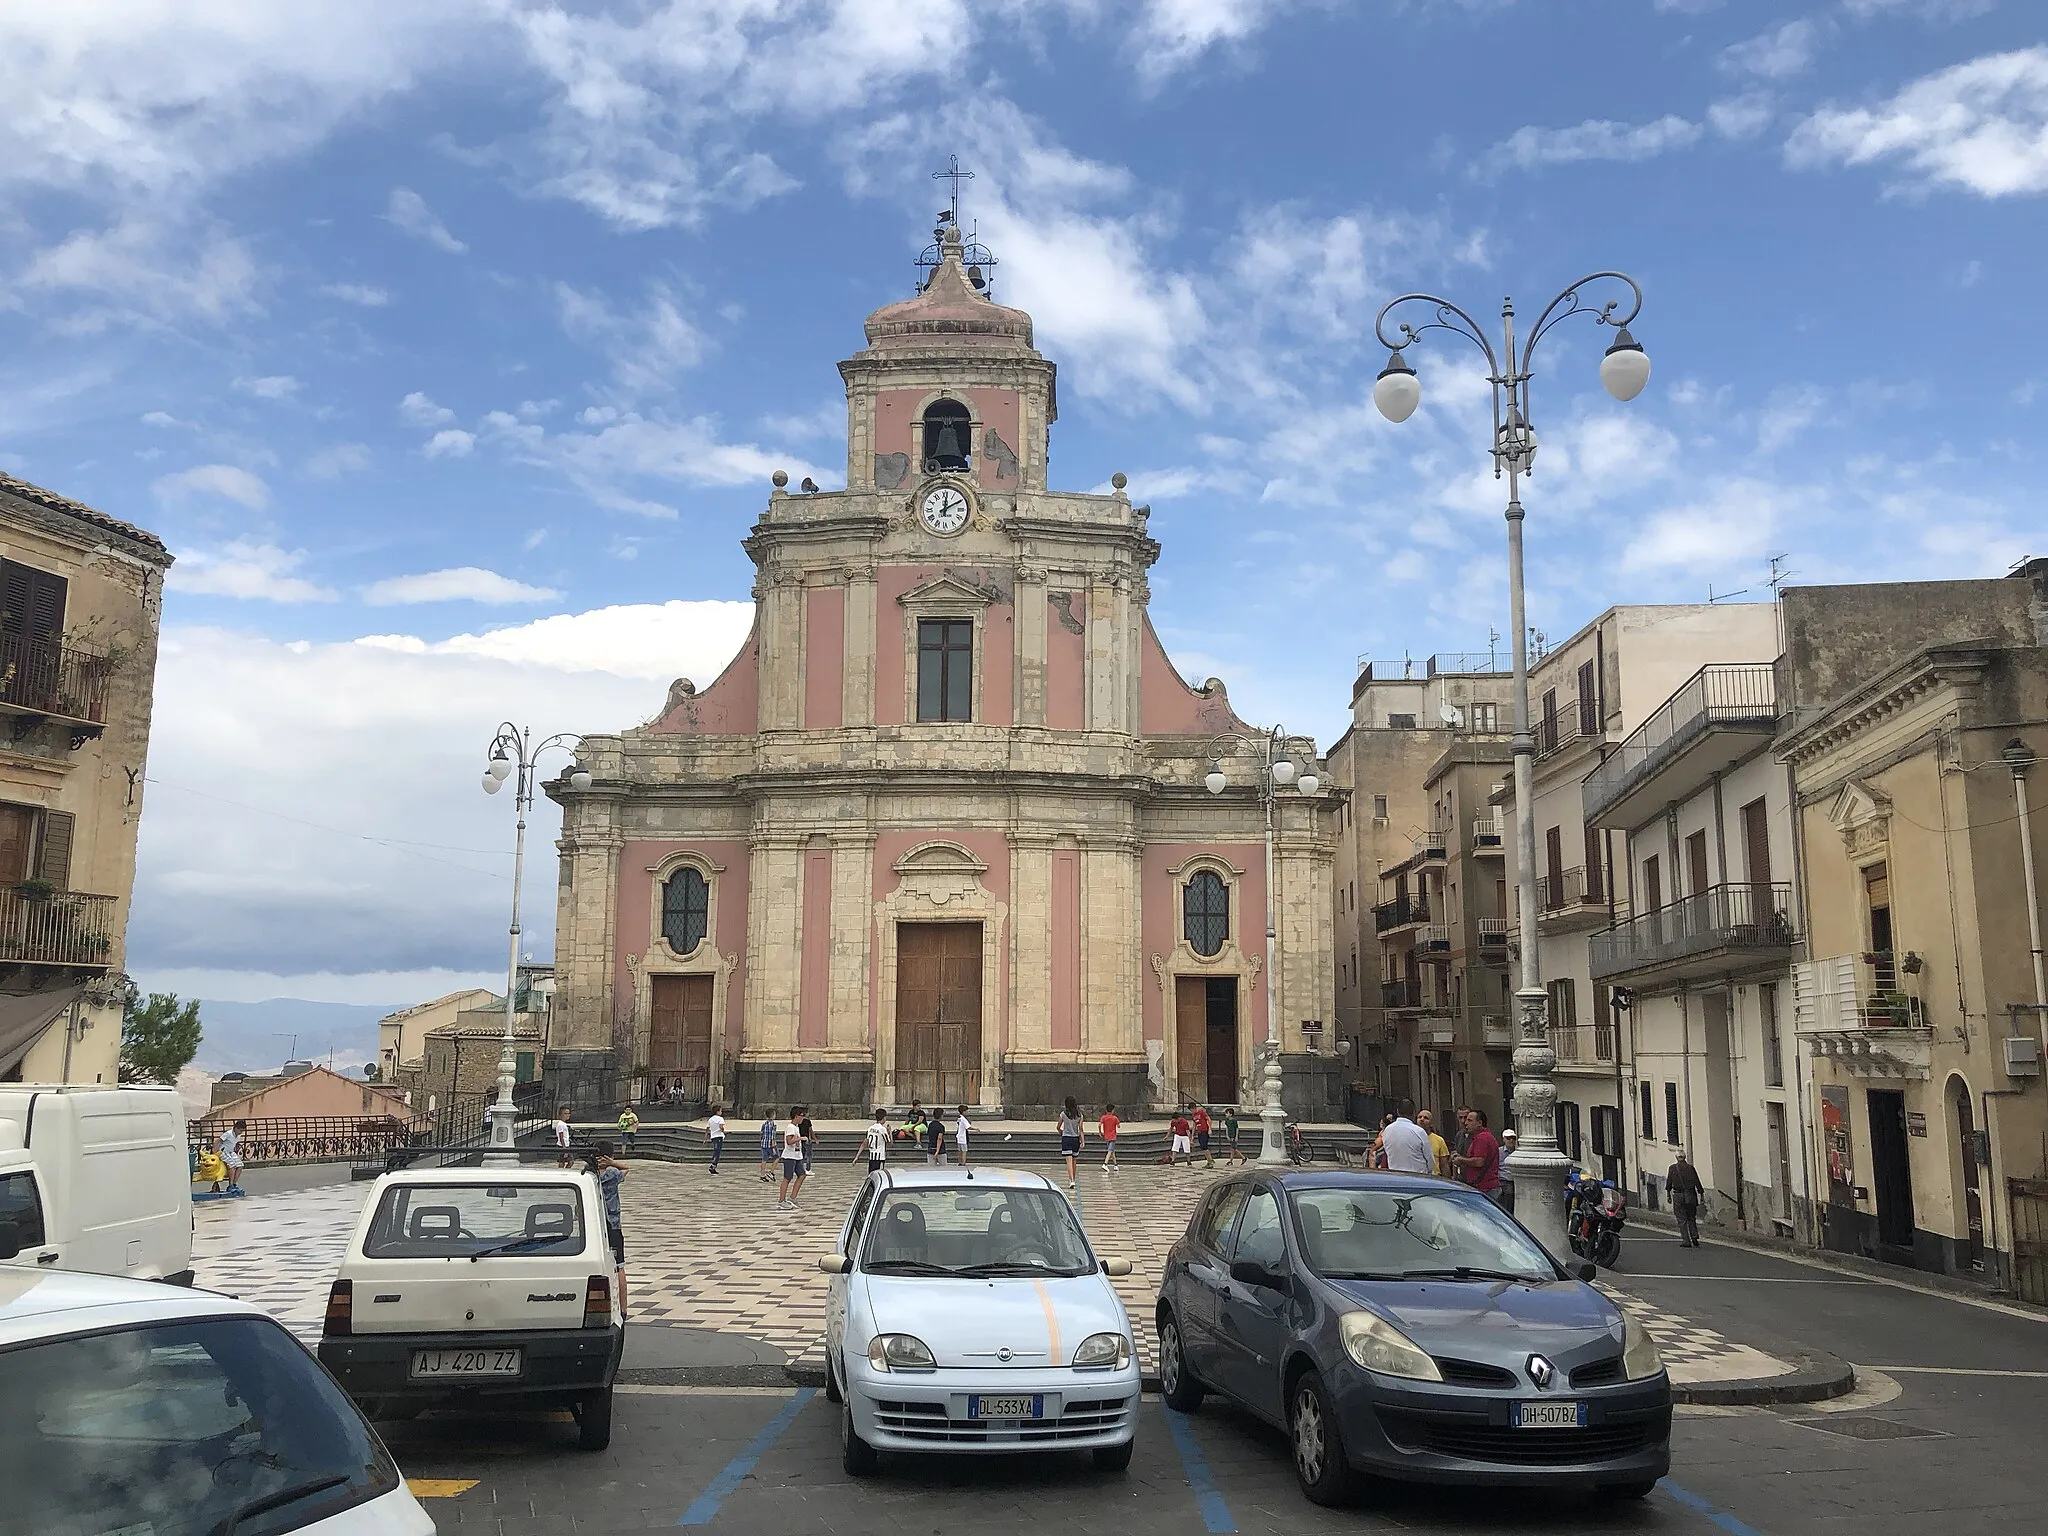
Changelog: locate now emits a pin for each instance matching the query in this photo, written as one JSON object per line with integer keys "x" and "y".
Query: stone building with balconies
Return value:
{"x": 1910, "y": 715}
{"x": 81, "y": 597}
{"x": 941, "y": 829}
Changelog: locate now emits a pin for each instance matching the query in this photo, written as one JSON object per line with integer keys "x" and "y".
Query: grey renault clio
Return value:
{"x": 1404, "y": 1327}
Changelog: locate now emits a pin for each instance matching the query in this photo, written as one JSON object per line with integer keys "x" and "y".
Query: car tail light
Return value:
{"x": 339, "y": 1321}
{"x": 597, "y": 1302}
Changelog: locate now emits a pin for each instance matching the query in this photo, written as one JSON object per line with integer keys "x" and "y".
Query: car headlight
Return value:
{"x": 900, "y": 1352}
{"x": 1639, "y": 1357}
{"x": 1378, "y": 1345}
{"x": 1099, "y": 1351}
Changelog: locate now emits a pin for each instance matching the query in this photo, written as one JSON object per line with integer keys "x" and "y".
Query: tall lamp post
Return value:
{"x": 1538, "y": 1167}
{"x": 514, "y": 755}
{"x": 1279, "y": 773}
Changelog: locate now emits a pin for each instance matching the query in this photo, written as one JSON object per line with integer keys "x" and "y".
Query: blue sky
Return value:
{"x": 450, "y": 346}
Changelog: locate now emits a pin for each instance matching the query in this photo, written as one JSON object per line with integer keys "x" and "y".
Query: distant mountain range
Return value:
{"x": 261, "y": 1037}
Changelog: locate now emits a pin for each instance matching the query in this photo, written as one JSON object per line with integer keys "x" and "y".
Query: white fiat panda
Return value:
{"x": 479, "y": 1287}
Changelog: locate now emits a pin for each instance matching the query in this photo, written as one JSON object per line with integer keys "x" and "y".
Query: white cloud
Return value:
{"x": 450, "y": 443}
{"x": 273, "y": 386}
{"x": 1980, "y": 126}
{"x": 247, "y": 570}
{"x": 341, "y": 459}
{"x": 647, "y": 349}
{"x": 162, "y": 419}
{"x": 409, "y": 212}
{"x": 1788, "y": 412}
{"x": 355, "y": 841}
{"x": 1171, "y": 34}
{"x": 420, "y": 411}
{"x": 1742, "y": 117}
{"x": 459, "y": 584}
{"x": 142, "y": 270}
{"x": 1596, "y": 139}
{"x": 1778, "y": 53}
{"x": 628, "y": 449}
{"x": 229, "y": 480}
{"x": 384, "y": 989}
{"x": 362, "y": 294}
{"x": 1727, "y": 531}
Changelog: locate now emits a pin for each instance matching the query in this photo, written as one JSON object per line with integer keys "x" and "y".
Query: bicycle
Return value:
{"x": 1299, "y": 1152}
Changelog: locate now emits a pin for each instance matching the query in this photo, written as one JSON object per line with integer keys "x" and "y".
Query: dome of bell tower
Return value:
{"x": 952, "y": 311}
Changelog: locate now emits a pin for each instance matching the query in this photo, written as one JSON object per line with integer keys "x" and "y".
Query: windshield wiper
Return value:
{"x": 1017, "y": 1267}
{"x": 1362, "y": 1274}
{"x": 1466, "y": 1272}
{"x": 278, "y": 1500}
{"x": 906, "y": 1267}
{"x": 516, "y": 1244}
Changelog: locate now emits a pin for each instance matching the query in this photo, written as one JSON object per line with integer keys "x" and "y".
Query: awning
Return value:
{"x": 24, "y": 1016}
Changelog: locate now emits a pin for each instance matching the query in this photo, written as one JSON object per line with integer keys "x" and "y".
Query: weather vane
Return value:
{"x": 954, "y": 174}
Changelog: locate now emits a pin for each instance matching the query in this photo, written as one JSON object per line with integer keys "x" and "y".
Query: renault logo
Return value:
{"x": 1541, "y": 1371}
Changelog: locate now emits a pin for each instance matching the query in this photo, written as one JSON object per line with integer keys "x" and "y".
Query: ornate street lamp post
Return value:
{"x": 1279, "y": 773}
{"x": 1538, "y": 1167}
{"x": 512, "y": 753}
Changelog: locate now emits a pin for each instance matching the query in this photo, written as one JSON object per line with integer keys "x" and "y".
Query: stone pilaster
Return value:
{"x": 853, "y": 863}
{"x": 1031, "y": 953}
{"x": 774, "y": 957}
{"x": 586, "y": 936}
{"x": 1111, "y": 948}
{"x": 858, "y": 697}
{"x": 1030, "y": 646}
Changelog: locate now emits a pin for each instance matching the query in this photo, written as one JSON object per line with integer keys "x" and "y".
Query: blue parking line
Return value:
{"x": 1706, "y": 1507}
{"x": 1215, "y": 1513}
{"x": 735, "y": 1472}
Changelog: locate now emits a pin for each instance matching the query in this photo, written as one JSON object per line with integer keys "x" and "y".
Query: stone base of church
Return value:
{"x": 587, "y": 1081}
{"x": 1311, "y": 1087}
{"x": 833, "y": 1090}
{"x": 1035, "y": 1090}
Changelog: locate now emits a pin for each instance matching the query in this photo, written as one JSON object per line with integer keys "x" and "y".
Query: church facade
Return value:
{"x": 940, "y": 830}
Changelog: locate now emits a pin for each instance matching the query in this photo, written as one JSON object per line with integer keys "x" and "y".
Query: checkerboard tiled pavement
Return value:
{"x": 715, "y": 1253}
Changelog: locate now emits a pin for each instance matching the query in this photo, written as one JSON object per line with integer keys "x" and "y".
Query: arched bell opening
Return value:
{"x": 948, "y": 436}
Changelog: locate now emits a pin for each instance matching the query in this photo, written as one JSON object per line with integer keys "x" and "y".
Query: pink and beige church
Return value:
{"x": 940, "y": 830}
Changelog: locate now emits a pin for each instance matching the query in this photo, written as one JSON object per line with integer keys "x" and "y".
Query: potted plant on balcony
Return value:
{"x": 1888, "y": 1010}
{"x": 34, "y": 889}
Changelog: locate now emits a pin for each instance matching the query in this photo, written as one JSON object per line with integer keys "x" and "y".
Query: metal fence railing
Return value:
{"x": 457, "y": 1123}
{"x": 46, "y": 927}
{"x": 1400, "y": 912}
{"x": 1741, "y": 916}
{"x": 1717, "y": 694}
{"x": 46, "y": 674}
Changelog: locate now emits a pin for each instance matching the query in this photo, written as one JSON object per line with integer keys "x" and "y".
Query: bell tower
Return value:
{"x": 949, "y": 383}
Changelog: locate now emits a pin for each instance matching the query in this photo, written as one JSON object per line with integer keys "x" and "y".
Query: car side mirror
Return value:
{"x": 1116, "y": 1267}
{"x": 835, "y": 1264}
{"x": 1245, "y": 1272}
{"x": 1587, "y": 1273}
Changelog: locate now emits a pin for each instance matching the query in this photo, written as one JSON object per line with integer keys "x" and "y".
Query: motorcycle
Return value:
{"x": 1594, "y": 1216}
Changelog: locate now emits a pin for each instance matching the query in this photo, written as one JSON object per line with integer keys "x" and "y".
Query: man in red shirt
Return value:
{"x": 1181, "y": 1145}
{"x": 1109, "y": 1124}
{"x": 1201, "y": 1126}
{"x": 1479, "y": 1165}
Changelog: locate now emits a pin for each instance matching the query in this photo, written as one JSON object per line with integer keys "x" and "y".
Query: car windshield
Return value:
{"x": 1429, "y": 1231}
{"x": 952, "y": 1231}
{"x": 178, "y": 1429}
{"x": 456, "y": 1221}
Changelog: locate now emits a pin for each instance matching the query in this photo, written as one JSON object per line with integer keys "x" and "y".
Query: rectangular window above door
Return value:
{"x": 945, "y": 669}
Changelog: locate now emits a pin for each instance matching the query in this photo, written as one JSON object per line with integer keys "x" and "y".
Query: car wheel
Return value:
{"x": 1319, "y": 1463}
{"x": 1177, "y": 1383}
{"x": 1115, "y": 1458}
{"x": 1627, "y": 1490}
{"x": 594, "y": 1421}
{"x": 858, "y": 1457}
{"x": 832, "y": 1392}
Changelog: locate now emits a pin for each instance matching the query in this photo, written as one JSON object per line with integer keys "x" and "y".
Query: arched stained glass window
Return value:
{"x": 685, "y": 910}
{"x": 1205, "y": 906}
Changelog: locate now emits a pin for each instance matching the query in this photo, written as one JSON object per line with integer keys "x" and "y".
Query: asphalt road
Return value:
{"x": 1947, "y": 1426}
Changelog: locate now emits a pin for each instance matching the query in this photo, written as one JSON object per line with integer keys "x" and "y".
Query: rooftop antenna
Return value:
{"x": 1407, "y": 664}
{"x": 1537, "y": 641}
{"x": 1722, "y": 597}
{"x": 1492, "y": 643}
{"x": 1779, "y": 575}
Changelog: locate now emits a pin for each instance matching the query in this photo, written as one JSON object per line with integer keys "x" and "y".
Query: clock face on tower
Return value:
{"x": 943, "y": 509}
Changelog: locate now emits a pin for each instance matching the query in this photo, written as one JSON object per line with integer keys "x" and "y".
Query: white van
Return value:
{"x": 95, "y": 1179}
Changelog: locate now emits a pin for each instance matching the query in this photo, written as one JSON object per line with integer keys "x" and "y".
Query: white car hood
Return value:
{"x": 969, "y": 1323}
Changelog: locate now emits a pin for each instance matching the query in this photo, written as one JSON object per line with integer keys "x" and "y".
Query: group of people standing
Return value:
{"x": 1409, "y": 1142}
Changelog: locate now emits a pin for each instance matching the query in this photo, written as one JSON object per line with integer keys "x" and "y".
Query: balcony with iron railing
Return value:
{"x": 1437, "y": 1032}
{"x": 1402, "y": 912}
{"x": 1571, "y": 899}
{"x": 1433, "y": 941}
{"x": 1488, "y": 836}
{"x": 1698, "y": 935}
{"x": 1493, "y": 933}
{"x": 1423, "y": 848}
{"x": 1498, "y": 1031}
{"x": 49, "y": 677}
{"x": 1575, "y": 721}
{"x": 1719, "y": 716}
{"x": 1868, "y": 1029}
{"x": 1401, "y": 992}
{"x": 1583, "y": 1044}
{"x": 41, "y": 926}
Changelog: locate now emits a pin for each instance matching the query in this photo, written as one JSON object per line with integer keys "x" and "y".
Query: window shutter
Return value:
{"x": 54, "y": 865}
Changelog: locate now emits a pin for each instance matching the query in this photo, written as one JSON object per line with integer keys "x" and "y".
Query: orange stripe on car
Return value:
{"x": 1052, "y": 1322}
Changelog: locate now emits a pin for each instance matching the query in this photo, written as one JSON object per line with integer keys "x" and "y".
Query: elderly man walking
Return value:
{"x": 1407, "y": 1144}
{"x": 1683, "y": 1184}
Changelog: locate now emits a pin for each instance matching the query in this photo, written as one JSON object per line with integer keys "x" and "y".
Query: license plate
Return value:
{"x": 466, "y": 1362}
{"x": 1006, "y": 1407}
{"x": 1550, "y": 1415}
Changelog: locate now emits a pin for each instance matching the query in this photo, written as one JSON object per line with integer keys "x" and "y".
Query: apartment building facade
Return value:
{"x": 1421, "y": 934}
{"x": 1587, "y": 695}
{"x": 81, "y": 597}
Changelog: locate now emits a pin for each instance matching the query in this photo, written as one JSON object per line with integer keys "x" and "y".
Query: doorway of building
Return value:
{"x": 679, "y": 1036}
{"x": 1891, "y": 1175}
{"x": 1205, "y": 1038}
{"x": 1973, "y": 1197}
{"x": 1781, "y": 1158}
{"x": 938, "y": 1012}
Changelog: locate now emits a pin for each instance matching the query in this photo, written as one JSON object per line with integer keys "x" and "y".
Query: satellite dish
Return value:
{"x": 1451, "y": 716}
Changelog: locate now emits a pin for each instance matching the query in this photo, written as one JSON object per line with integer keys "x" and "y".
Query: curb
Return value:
{"x": 1813, "y": 1379}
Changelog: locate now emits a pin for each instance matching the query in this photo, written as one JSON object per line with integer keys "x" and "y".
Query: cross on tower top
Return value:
{"x": 954, "y": 174}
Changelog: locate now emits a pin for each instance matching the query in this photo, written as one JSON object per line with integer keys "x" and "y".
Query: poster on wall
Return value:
{"x": 1834, "y": 1141}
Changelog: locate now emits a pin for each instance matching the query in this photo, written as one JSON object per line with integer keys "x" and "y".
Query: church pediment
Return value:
{"x": 1863, "y": 816}
{"x": 942, "y": 589}
{"x": 940, "y": 858}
